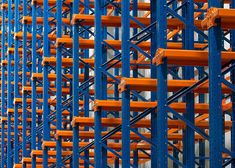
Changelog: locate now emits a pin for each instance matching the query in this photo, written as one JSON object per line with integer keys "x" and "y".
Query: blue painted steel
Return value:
{"x": 59, "y": 82}
{"x": 46, "y": 112}
{"x": 98, "y": 81}
{"x": 215, "y": 93}
{"x": 3, "y": 102}
{"x": 188, "y": 43}
{"x": 16, "y": 81}
{"x": 75, "y": 85}
{"x": 116, "y": 73}
{"x": 34, "y": 93}
{"x": 162, "y": 148}
{"x": 24, "y": 83}
{"x": 104, "y": 84}
{"x": 125, "y": 73}
{"x": 86, "y": 78}
{"x": 3, "y": 79}
{"x": 9, "y": 86}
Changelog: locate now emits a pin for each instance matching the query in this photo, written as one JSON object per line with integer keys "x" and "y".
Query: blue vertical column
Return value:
{"x": 153, "y": 5}
{"x": 33, "y": 81}
{"x": 59, "y": 82}
{"x": 188, "y": 73}
{"x": 86, "y": 78}
{"x": 104, "y": 82}
{"x": 98, "y": 81}
{"x": 125, "y": 73}
{"x": 215, "y": 93}
{"x": 39, "y": 70}
{"x": 9, "y": 86}
{"x": 232, "y": 43}
{"x": 3, "y": 86}
{"x": 16, "y": 81}
{"x": 135, "y": 74}
{"x": 162, "y": 127}
{"x": 24, "y": 83}
{"x": 75, "y": 85}
{"x": 46, "y": 112}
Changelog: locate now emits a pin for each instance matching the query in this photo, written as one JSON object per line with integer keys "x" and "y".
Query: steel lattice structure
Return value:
{"x": 117, "y": 83}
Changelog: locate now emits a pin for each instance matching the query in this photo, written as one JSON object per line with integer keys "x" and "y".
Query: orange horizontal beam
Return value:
{"x": 138, "y": 106}
{"x": 115, "y": 21}
{"x": 83, "y": 43}
{"x": 91, "y": 153}
{"x": 144, "y": 123}
{"x": 40, "y": 89}
{"x": 52, "y": 77}
{"x": 188, "y": 57}
{"x": 148, "y": 84}
{"x": 116, "y": 136}
{"x": 142, "y": 6}
{"x": 39, "y": 21}
{"x": 226, "y": 17}
{"x": 68, "y": 62}
{"x": 50, "y": 101}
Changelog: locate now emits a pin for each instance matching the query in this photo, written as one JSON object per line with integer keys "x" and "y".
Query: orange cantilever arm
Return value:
{"x": 111, "y": 105}
{"x": 108, "y": 122}
{"x": 17, "y": 165}
{"x": 12, "y": 50}
{"x": 51, "y": 153}
{"x": 188, "y": 57}
{"x": 68, "y": 62}
{"x": 40, "y": 89}
{"x": 28, "y": 20}
{"x": 226, "y": 17}
{"x": 148, "y": 84}
{"x": 115, "y": 21}
{"x": 113, "y": 122}
{"x": 145, "y": 45}
{"x": 19, "y": 35}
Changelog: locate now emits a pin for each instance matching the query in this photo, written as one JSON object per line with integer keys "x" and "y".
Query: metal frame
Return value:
{"x": 116, "y": 83}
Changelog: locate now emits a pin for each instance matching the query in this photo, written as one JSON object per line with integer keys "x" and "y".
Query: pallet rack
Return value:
{"x": 117, "y": 83}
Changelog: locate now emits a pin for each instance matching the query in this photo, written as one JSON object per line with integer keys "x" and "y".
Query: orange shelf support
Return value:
{"x": 225, "y": 15}
{"x": 188, "y": 57}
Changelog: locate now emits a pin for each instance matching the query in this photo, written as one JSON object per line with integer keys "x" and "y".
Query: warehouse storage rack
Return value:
{"x": 117, "y": 83}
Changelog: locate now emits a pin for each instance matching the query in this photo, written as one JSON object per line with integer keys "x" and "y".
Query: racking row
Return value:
{"x": 117, "y": 83}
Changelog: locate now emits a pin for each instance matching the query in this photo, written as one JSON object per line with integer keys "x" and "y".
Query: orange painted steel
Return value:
{"x": 68, "y": 42}
{"x": 188, "y": 57}
{"x": 148, "y": 84}
{"x": 225, "y": 15}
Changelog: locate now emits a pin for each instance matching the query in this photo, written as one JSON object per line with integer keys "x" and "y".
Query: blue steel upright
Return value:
{"x": 46, "y": 112}
{"x": 188, "y": 74}
{"x": 125, "y": 73}
{"x": 3, "y": 86}
{"x": 75, "y": 106}
{"x": 162, "y": 127}
{"x": 58, "y": 82}
{"x": 215, "y": 92}
{"x": 9, "y": 85}
{"x": 16, "y": 81}
{"x": 33, "y": 81}
{"x": 99, "y": 93}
